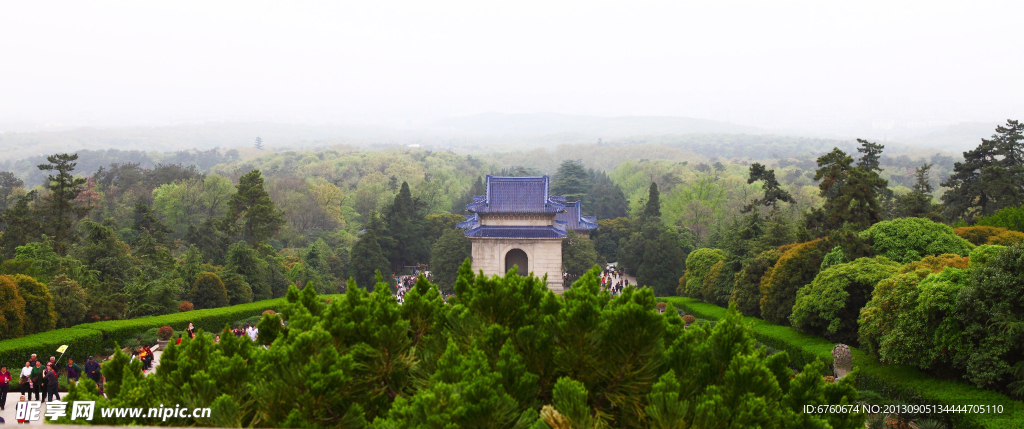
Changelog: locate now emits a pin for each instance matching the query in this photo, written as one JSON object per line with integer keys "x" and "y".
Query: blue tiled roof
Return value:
{"x": 516, "y": 232}
{"x": 470, "y": 222}
{"x": 573, "y": 220}
{"x": 516, "y": 195}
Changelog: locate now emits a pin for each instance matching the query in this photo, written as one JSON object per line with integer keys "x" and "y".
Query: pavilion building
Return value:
{"x": 517, "y": 223}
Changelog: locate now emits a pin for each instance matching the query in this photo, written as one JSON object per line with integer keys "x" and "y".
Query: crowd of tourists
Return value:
{"x": 40, "y": 381}
{"x": 613, "y": 280}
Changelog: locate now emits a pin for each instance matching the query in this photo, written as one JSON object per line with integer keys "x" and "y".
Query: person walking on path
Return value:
{"x": 92, "y": 370}
{"x": 5, "y": 384}
{"x": 37, "y": 381}
{"x": 32, "y": 360}
{"x": 73, "y": 370}
{"x": 25, "y": 381}
{"x": 51, "y": 383}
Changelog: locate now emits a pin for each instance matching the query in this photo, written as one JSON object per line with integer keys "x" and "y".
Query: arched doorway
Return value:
{"x": 518, "y": 258}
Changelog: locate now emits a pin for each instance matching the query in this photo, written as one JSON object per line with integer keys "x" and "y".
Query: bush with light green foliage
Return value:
{"x": 982, "y": 255}
{"x": 830, "y": 305}
{"x": 911, "y": 239}
{"x": 698, "y": 264}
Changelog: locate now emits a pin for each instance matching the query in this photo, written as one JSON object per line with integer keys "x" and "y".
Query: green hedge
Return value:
{"x": 210, "y": 320}
{"x": 81, "y": 344}
{"x": 894, "y": 382}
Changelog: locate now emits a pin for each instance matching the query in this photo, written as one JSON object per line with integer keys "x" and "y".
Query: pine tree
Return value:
{"x": 252, "y": 205}
{"x": 605, "y": 198}
{"x": 147, "y": 222}
{"x": 851, "y": 193}
{"x": 773, "y": 193}
{"x": 22, "y": 225}
{"x": 59, "y": 208}
{"x": 918, "y": 203}
{"x": 990, "y": 178}
{"x": 407, "y": 244}
{"x": 448, "y": 254}
{"x": 367, "y": 256}
{"x": 653, "y": 207}
{"x": 247, "y": 262}
{"x": 8, "y": 183}
{"x": 570, "y": 181}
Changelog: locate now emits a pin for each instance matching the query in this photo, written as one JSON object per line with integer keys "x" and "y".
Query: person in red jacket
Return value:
{"x": 5, "y": 383}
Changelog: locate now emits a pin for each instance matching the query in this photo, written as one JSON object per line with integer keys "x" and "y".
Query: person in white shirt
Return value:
{"x": 253, "y": 332}
{"x": 26, "y": 375}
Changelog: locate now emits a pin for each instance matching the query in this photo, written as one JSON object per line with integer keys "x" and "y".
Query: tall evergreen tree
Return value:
{"x": 251, "y": 205}
{"x": 406, "y": 226}
{"x": 447, "y": 255}
{"x": 653, "y": 207}
{"x": 990, "y": 178}
{"x": 147, "y": 222}
{"x": 851, "y": 194}
{"x": 773, "y": 192}
{"x": 367, "y": 256}
{"x": 918, "y": 203}
{"x": 59, "y": 208}
{"x": 8, "y": 183}
{"x": 21, "y": 225}
{"x": 871, "y": 154}
{"x": 570, "y": 181}
{"x": 605, "y": 198}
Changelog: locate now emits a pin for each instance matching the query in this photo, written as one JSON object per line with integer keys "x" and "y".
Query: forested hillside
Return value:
{"x": 855, "y": 247}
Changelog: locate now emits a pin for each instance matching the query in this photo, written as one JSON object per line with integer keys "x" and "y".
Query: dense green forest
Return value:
{"x": 894, "y": 254}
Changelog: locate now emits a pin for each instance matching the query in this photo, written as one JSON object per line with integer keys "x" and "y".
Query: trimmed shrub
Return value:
{"x": 936, "y": 264}
{"x": 81, "y": 343}
{"x": 69, "y": 300}
{"x": 746, "y": 292}
{"x": 12, "y": 309}
{"x": 210, "y": 320}
{"x": 40, "y": 315}
{"x": 718, "y": 283}
{"x": 990, "y": 312}
{"x": 698, "y": 264}
{"x": 911, "y": 339}
{"x": 1011, "y": 218}
{"x": 1006, "y": 238}
{"x": 893, "y": 382}
{"x": 982, "y": 255}
{"x": 911, "y": 239}
{"x": 185, "y": 306}
{"x": 830, "y": 305}
{"x": 208, "y": 291}
{"x": 689, "y": 318}
{"x": 978, "y": 235}
{"x": 892, "y": 296}
{"x": 797, "y": 267}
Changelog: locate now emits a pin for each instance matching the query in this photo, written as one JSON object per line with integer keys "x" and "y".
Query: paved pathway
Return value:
{"x": 10, "y": 410}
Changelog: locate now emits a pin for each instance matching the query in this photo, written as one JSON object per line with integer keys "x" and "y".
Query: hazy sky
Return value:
{"x": 767, "y": 63}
